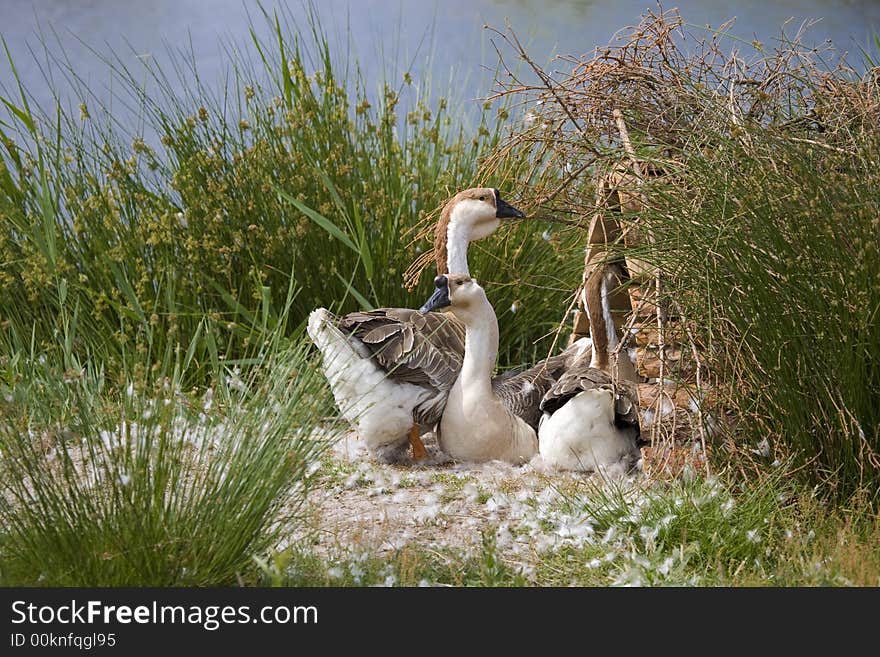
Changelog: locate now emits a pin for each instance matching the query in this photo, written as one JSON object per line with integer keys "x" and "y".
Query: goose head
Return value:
{"x": 470, "y": 215}
{"x": 459, "y": 292}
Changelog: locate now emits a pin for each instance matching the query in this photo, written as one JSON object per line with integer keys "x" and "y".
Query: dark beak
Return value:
{"x": 504, "y": 210}
{"x": 440, "y": 298}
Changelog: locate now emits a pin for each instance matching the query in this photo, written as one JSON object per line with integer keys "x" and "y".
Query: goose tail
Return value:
{"x": 329, "y": 339}
{"x": 341, "y": 359}
{"x": 322, "y": 329}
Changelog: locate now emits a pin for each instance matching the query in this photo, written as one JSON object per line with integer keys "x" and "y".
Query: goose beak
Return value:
{"x": 504, "y": 210}
{"x": 440, "y": 298}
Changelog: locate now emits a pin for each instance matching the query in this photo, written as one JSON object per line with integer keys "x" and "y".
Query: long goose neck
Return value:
{"x": 458, "y": 236}
{"x": 602, "y": 328}
{"x": 480, "y": 351}
{"x": 606, "y": 338}
{"x": 601, "y": 358}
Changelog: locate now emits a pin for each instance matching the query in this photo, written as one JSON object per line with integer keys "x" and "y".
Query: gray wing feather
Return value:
{"x": 522, "y": 392}
{"x": 580, "y": 377}
{"x": 424, "y": 350}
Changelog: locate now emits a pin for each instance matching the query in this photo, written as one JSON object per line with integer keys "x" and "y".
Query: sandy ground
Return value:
{"x": 362, "y": 504}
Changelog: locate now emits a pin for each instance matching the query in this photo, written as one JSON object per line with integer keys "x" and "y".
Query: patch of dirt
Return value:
{"x": 435, "y": 502}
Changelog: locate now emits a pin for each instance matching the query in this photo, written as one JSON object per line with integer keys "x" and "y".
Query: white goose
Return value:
{"x": 391, "y": 369}
{"x": 476, "y": 424}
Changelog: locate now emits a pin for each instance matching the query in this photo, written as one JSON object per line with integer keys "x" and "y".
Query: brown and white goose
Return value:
{"x": 391, "y": 369}
{"x": 590, "y": 418}
{"x": 604, "y": 281}
{"x": 590, "y": 423}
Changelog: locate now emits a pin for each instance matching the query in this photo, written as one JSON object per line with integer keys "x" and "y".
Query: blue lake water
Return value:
{"x": 388, "y": 36}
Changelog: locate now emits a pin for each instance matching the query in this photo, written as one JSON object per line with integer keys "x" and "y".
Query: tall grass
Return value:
{"x": 222, "y": 196}
{"x": 718, "y": 531}
{"x": 778, "y": 262}
{"x": 152, "y": 485}
{"x": 688, "y": 532}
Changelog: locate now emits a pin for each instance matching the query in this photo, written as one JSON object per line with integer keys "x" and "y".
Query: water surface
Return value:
{"x": 446, "y": 37}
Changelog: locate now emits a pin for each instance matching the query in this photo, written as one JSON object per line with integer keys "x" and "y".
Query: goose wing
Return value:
{"x": 522, "y": 392}
{"x": 425, "y": 350}
{"x": 580, "y": 377}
